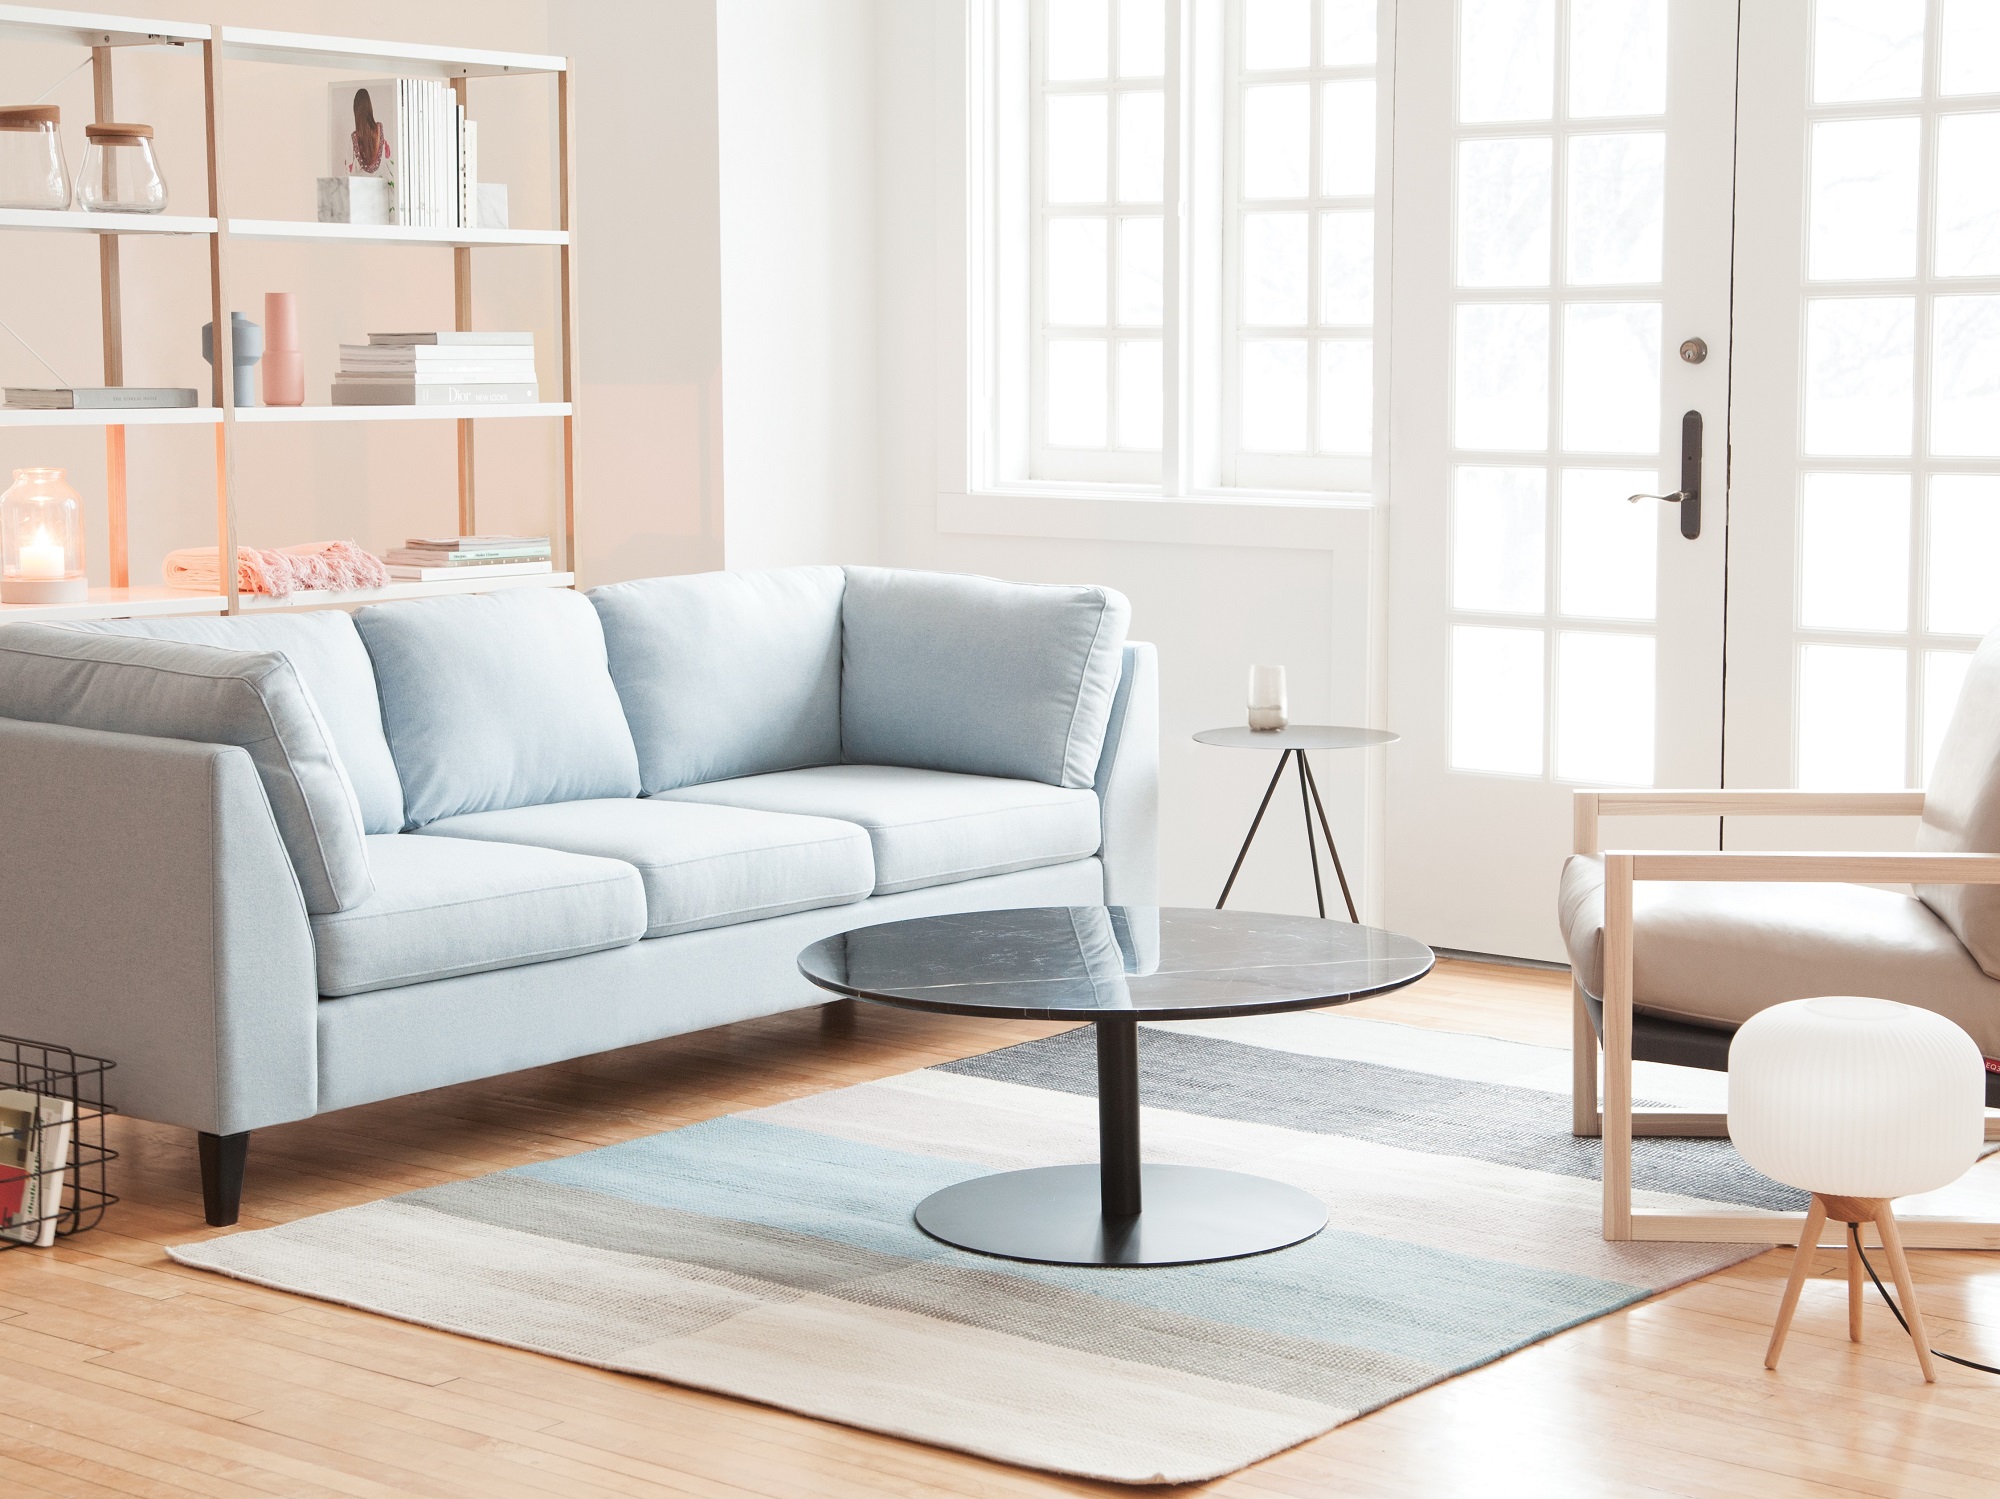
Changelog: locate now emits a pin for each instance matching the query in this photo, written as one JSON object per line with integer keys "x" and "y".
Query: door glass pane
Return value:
{"x": 1274, "y": 269}
{"x": 1971, "y": 60}
{"x": 1079, "y": 38}
{"x": 1944, "y": 678}
{"x": 1962, "y": 581}
{"x": 1851, "y": 718}
{"x": 1277, "y": 34}
{"x": 1968, "y": 194}
{"x": 1604, "y": 708}
{"x": 1139, "y": 394}
{"x": 1347, "y": 267}
{"x": 1274, "y": 395}
{"x": 1864, "y": 199}
{"x": 1610, "y": 546}
{"x": 1077, "y": 392}
{"x": 1142, "y": 38}
{"x": 1868, "y": 49}
{"x": 1277, "y": 123}
{"x": 1496, "y": 700}
{"x": 1611, "y": 377}
{"x": 1142, "y": 146}
{"x": 1965, "y": 377}
{"x": 1854, "y": 547}
{"x": 1501, "y": 380}
{"x": 1504, "y": 189}
{"x": 1079, "y": 136}
{"x": 1139, "y": 251}
{"x": 1347, "y": 138}
{"x": 1498, "y": 548}
{"x": 1347, "y": 33}
{"x": 1076, "y": 272}
{"x": 1506, "y": 59}
{"x": 1858, "y": 375}
{"x": 1617, "y": 57}
{"x": 1617, "y": 208}
{"x": 1346, "y": 395}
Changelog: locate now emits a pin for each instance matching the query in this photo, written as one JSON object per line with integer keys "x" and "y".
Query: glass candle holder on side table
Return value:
{"x": 32, "y": 171}
{"x": 120, "y": 173}
{"x": 41, "y": 540}
{"x": 1267, "y": 698}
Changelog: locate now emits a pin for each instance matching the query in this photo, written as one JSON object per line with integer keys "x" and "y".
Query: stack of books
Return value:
{"x": 437, "y": 369}
{"x": 427, "y": 559}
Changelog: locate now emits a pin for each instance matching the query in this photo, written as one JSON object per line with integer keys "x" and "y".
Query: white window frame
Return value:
{"x": 1197, "y": 333}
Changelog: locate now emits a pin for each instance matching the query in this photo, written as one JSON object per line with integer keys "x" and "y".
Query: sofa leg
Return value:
{"x": 222, "y": 1160}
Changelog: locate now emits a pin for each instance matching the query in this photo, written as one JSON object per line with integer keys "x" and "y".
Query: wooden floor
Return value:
{"x": 121, "y": 1373}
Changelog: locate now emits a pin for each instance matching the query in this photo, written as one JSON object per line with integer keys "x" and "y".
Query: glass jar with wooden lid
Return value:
{"x": 32, "y": 171}
{"x": 120, "y": 173}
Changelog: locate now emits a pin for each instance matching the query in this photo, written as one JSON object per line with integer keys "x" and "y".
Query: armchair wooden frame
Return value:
{"x": 1618, "y": 1123}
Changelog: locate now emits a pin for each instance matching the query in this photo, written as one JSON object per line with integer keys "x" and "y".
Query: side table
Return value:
{"x": 1296, "y": 739}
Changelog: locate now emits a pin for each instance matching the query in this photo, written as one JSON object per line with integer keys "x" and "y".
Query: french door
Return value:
{"x": 1560, "y": 305}
{"x": 1865, "y": 508}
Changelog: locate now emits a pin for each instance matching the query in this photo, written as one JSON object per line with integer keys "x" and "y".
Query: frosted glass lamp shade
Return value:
{"x": 1854, "y": 1097}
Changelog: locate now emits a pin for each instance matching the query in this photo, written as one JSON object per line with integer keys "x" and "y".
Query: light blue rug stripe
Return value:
{"x": 1420, "y": 1303}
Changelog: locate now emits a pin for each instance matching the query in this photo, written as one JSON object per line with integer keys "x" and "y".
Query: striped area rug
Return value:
{"x": 771, "y": 1254}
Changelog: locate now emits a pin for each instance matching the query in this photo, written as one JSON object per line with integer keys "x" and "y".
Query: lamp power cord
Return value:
{"x": 1854, "y": 1234}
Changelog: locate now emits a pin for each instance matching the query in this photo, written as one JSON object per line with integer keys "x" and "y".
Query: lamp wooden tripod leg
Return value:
{"x": 1853, "y": 1210}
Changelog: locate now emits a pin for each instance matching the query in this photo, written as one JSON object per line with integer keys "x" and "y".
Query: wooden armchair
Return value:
{"x": 1682, "y": 1008}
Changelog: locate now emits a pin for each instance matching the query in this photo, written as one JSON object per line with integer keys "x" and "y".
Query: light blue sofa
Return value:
{"x": 275, "y": 865}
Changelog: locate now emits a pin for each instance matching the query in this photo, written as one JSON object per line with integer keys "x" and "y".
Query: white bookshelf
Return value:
{"x": 216, "y": 49}
{"x": 279, "y": 415}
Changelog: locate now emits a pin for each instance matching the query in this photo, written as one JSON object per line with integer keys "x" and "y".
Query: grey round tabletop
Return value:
{"x": 1302, "y": 736}
{"x": 1095, "y": 962}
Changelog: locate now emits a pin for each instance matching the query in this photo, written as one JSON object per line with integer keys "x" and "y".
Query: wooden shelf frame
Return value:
{"x": 104, "y": 35}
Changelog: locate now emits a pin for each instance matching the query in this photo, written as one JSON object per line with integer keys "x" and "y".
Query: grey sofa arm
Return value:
{"x": 1128, "y": 783}
{"x": 148, "y": 914}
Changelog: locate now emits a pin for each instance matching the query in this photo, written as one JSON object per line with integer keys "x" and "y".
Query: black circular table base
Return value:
{"x": 1053, "y": 1215}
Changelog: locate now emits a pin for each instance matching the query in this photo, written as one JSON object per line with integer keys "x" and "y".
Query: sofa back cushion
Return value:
{"x": 331, "y": 661}
{"x": 947, "y": 672}
{"x": 1962, "y": 808}
{"x": 727, "y": 674}
{"x": 173, "y": 690}
{"x": 498, "y": 700}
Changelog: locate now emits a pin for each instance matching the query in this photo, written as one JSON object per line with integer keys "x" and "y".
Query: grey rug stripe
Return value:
{"x": 953, "y": 1292}
{"x": 1491, "y": 1122}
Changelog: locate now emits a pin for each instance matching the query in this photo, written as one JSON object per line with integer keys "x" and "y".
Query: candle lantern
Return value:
{"x": 41, "y": 540}
{"x": 1267, "y": 697}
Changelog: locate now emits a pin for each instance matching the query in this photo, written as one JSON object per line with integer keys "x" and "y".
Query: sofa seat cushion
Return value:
{"x": 702, "y": 865}
{"x": 1719, "y": 953}
{"x": 447, "y": 906}
{"x": 928, "y": 827}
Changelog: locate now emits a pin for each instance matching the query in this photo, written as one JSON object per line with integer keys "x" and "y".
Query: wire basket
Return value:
{"x": 61, "y": 1190}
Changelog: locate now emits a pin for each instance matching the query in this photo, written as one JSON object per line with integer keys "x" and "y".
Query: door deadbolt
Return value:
{"x": 1694, "y": 351}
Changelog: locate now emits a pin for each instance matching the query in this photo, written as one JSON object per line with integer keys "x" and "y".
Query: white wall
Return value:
{"x": 796, "y": 84}
{"x": 1216, "y": 587}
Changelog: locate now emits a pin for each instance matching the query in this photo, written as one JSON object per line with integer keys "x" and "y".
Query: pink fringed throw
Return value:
{"x": 316, "y": 565}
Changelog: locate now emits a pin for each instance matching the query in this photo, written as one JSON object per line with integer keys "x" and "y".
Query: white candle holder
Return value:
{"x": 41, "y": 540}
{"x": 1267, "y": 698}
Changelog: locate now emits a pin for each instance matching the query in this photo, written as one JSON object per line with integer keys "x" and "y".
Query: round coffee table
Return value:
{"x": 1296, "y": 739}
{"x": 1116, "y": 966}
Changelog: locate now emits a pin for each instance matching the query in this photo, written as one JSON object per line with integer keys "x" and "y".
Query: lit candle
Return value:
{"x": 42, "y": 558}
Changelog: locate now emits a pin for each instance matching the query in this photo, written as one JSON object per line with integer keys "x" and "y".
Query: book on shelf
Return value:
{"x": 487, "y": 539}
{"x": 410, "y": 132}
{"x": 428, "y": 556}
{"x": 433, "y": 365}
{"x": 407, "y": 392}
{"x": 404, "y": 572}
{"x": 446, "y": 337}
{"x": 101, "y": 398}
{"x": 35, "y": 1130}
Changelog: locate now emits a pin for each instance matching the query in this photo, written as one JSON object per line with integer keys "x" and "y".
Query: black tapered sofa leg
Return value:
{"x": 222, "y": 1158}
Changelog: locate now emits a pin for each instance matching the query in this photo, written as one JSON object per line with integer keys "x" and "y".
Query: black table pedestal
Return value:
{"x": 1120, "y": 1212}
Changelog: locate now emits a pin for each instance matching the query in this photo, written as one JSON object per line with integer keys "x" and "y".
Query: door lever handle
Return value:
{"x": 1688, "y": 496}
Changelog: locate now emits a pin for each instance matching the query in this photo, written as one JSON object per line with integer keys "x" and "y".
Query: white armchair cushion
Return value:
{"x": 1962, "y": 808}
